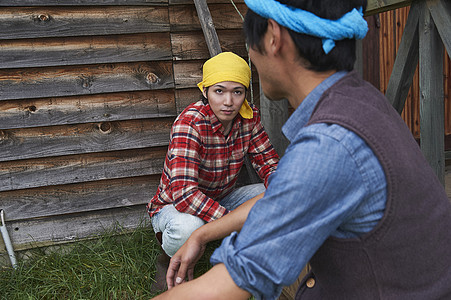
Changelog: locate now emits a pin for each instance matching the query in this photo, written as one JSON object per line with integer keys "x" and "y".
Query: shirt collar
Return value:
{"x": 302, "y": 114}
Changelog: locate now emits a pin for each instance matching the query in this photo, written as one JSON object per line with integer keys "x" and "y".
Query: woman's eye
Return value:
{"x": 238, "y": 92}
{"x": 218, "y": 91}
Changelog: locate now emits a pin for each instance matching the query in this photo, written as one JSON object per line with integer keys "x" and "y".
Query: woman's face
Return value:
{"x": 225, "y": 99}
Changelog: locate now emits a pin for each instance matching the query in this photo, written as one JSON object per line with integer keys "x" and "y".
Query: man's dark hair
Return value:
{"x": 203, "y": 98}
{"x": 310, "y": 49}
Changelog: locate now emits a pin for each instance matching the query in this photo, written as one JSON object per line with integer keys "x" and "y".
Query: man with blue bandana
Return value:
{"x": 353, "y": 195}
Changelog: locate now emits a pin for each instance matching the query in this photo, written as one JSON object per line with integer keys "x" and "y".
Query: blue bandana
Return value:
{"x": 352, "y": 25}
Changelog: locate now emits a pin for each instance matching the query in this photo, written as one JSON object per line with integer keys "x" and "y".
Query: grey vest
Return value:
{"x": 408, "y": 254}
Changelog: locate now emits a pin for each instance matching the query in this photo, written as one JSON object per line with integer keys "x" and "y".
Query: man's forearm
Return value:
{"x": 216, "y": 284}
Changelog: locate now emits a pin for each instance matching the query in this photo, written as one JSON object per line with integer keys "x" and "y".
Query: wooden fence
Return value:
{"x": 389, "y": 27}
{"x": 88, "y": 94}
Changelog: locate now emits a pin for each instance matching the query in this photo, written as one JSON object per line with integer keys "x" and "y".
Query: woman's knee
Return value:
{"x": 178, "y": 230}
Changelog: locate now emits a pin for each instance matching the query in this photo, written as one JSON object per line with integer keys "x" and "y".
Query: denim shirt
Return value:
{"x": 328, "y": 183}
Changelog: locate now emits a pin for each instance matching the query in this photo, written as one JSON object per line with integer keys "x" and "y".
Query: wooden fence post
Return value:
{"x": 431, "y": 94}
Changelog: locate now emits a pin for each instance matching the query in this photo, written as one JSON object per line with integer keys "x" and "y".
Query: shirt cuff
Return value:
{"x": 241, "y": 270}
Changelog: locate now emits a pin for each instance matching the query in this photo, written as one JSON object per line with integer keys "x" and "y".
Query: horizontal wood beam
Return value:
{"x": 51, "y": 141}
{"x": 191, "y": 45}
{"x": 42, "y": 232}
{"x": 64, "y": 51}
{"x": 85, "y": 79}
{"x": 379, "y": 6}
{"x": 184, "y": 17}
{"x": 25, "y": 174}
{"x": 26, "y": 113}
{"x": 78, "y": 197}
{"x": 35, "y": 22}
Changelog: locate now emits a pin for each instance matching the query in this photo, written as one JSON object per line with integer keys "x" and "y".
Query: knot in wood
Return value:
{"x": 86, "y": 81}
{"x": 43, "y": 17}
{"x": 105, "y": 127}
{"x": 152, "y": 78}
{"x": 31, "y": 108}
{"x": 3, "y": 135}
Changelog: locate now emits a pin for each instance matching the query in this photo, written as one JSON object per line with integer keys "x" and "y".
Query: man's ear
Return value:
{"x": 274, "y": 36}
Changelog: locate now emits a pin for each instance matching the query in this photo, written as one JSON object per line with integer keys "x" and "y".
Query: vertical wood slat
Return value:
{"x": 406, "y": 59}
{"x": 431, "y": 94}
{"x": 371, "y": 51}
{"x": 441, "y": 13}
{"x": 208, "y": 28}
{"x": 447, "y": 96}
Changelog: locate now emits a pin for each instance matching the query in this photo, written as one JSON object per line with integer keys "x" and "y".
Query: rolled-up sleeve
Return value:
{"x": 316, "y": 187}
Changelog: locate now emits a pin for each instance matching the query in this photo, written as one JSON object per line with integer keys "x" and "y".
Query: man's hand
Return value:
{"x": 215, "y": 284}
{"x": 183, "y": 262}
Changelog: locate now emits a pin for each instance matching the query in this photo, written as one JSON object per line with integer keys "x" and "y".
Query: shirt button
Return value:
{"x": 310, "y": 283}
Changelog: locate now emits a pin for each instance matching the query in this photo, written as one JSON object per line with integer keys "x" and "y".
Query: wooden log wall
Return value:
{"x": 88, "y": 94}
{"x": 388, "y": 27}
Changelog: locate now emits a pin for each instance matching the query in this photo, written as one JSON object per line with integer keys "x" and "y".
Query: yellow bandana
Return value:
{"x": 227, "y": 66}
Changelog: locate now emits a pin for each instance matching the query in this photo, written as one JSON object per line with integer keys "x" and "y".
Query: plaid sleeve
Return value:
{"x": 262, "y": 154}
{"x": 184, "y": 161}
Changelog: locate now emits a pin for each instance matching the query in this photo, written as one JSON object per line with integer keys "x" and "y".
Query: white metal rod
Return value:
{"x": 7, "y": 240}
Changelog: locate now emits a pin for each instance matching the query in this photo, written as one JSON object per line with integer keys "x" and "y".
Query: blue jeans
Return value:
{"x": 176, "y": 227}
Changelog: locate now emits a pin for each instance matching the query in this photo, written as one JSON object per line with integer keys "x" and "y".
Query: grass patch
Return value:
{"x": 110, "y": 267}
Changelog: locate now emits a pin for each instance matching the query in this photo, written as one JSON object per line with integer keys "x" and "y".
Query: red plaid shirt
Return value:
{"x": 202, "y": 165}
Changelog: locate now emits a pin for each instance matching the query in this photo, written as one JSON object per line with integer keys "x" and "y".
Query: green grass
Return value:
{"x": 110, "y": 267}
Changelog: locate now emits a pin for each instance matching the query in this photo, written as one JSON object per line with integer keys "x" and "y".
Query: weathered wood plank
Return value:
{"x": 185, "y": 97}
{"x": 431, "y": 94}
{"x": 192, "y": 45}
{"x": 378, "y": 6}
{"x": 187, "y": 73}
{"x": 79, "y": 197}
{"x": 83, "y": 138}
{"x": 208, "y": 28}
{"x": 86, "y": 109}
{"x": 85, "y": 79}
{"x": 25, "y": 174}
{"x": 80, "y": 2}
{"x": 371, "y": 51}
{"x": 184, "y": 17}
{"x": 62, "y": 229}
{"x": 37, "y": 22}
{"x": 27, "y": 53}
{"x": 441, "y": 13}
{"x": 406, "y": 60}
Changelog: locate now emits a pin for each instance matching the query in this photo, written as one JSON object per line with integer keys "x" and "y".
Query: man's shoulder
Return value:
{"x": 195, "y": 113}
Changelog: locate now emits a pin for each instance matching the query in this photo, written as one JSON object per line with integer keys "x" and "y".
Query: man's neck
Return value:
{"x": 305, "y": 81}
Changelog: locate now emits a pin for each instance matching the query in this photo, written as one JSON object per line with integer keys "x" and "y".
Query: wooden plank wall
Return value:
{"x": 88, "y": 94}
{"x": 390, "y": 26}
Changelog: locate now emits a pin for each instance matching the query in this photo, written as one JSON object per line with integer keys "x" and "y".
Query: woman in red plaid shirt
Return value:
{"x": 208, "y": 143}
